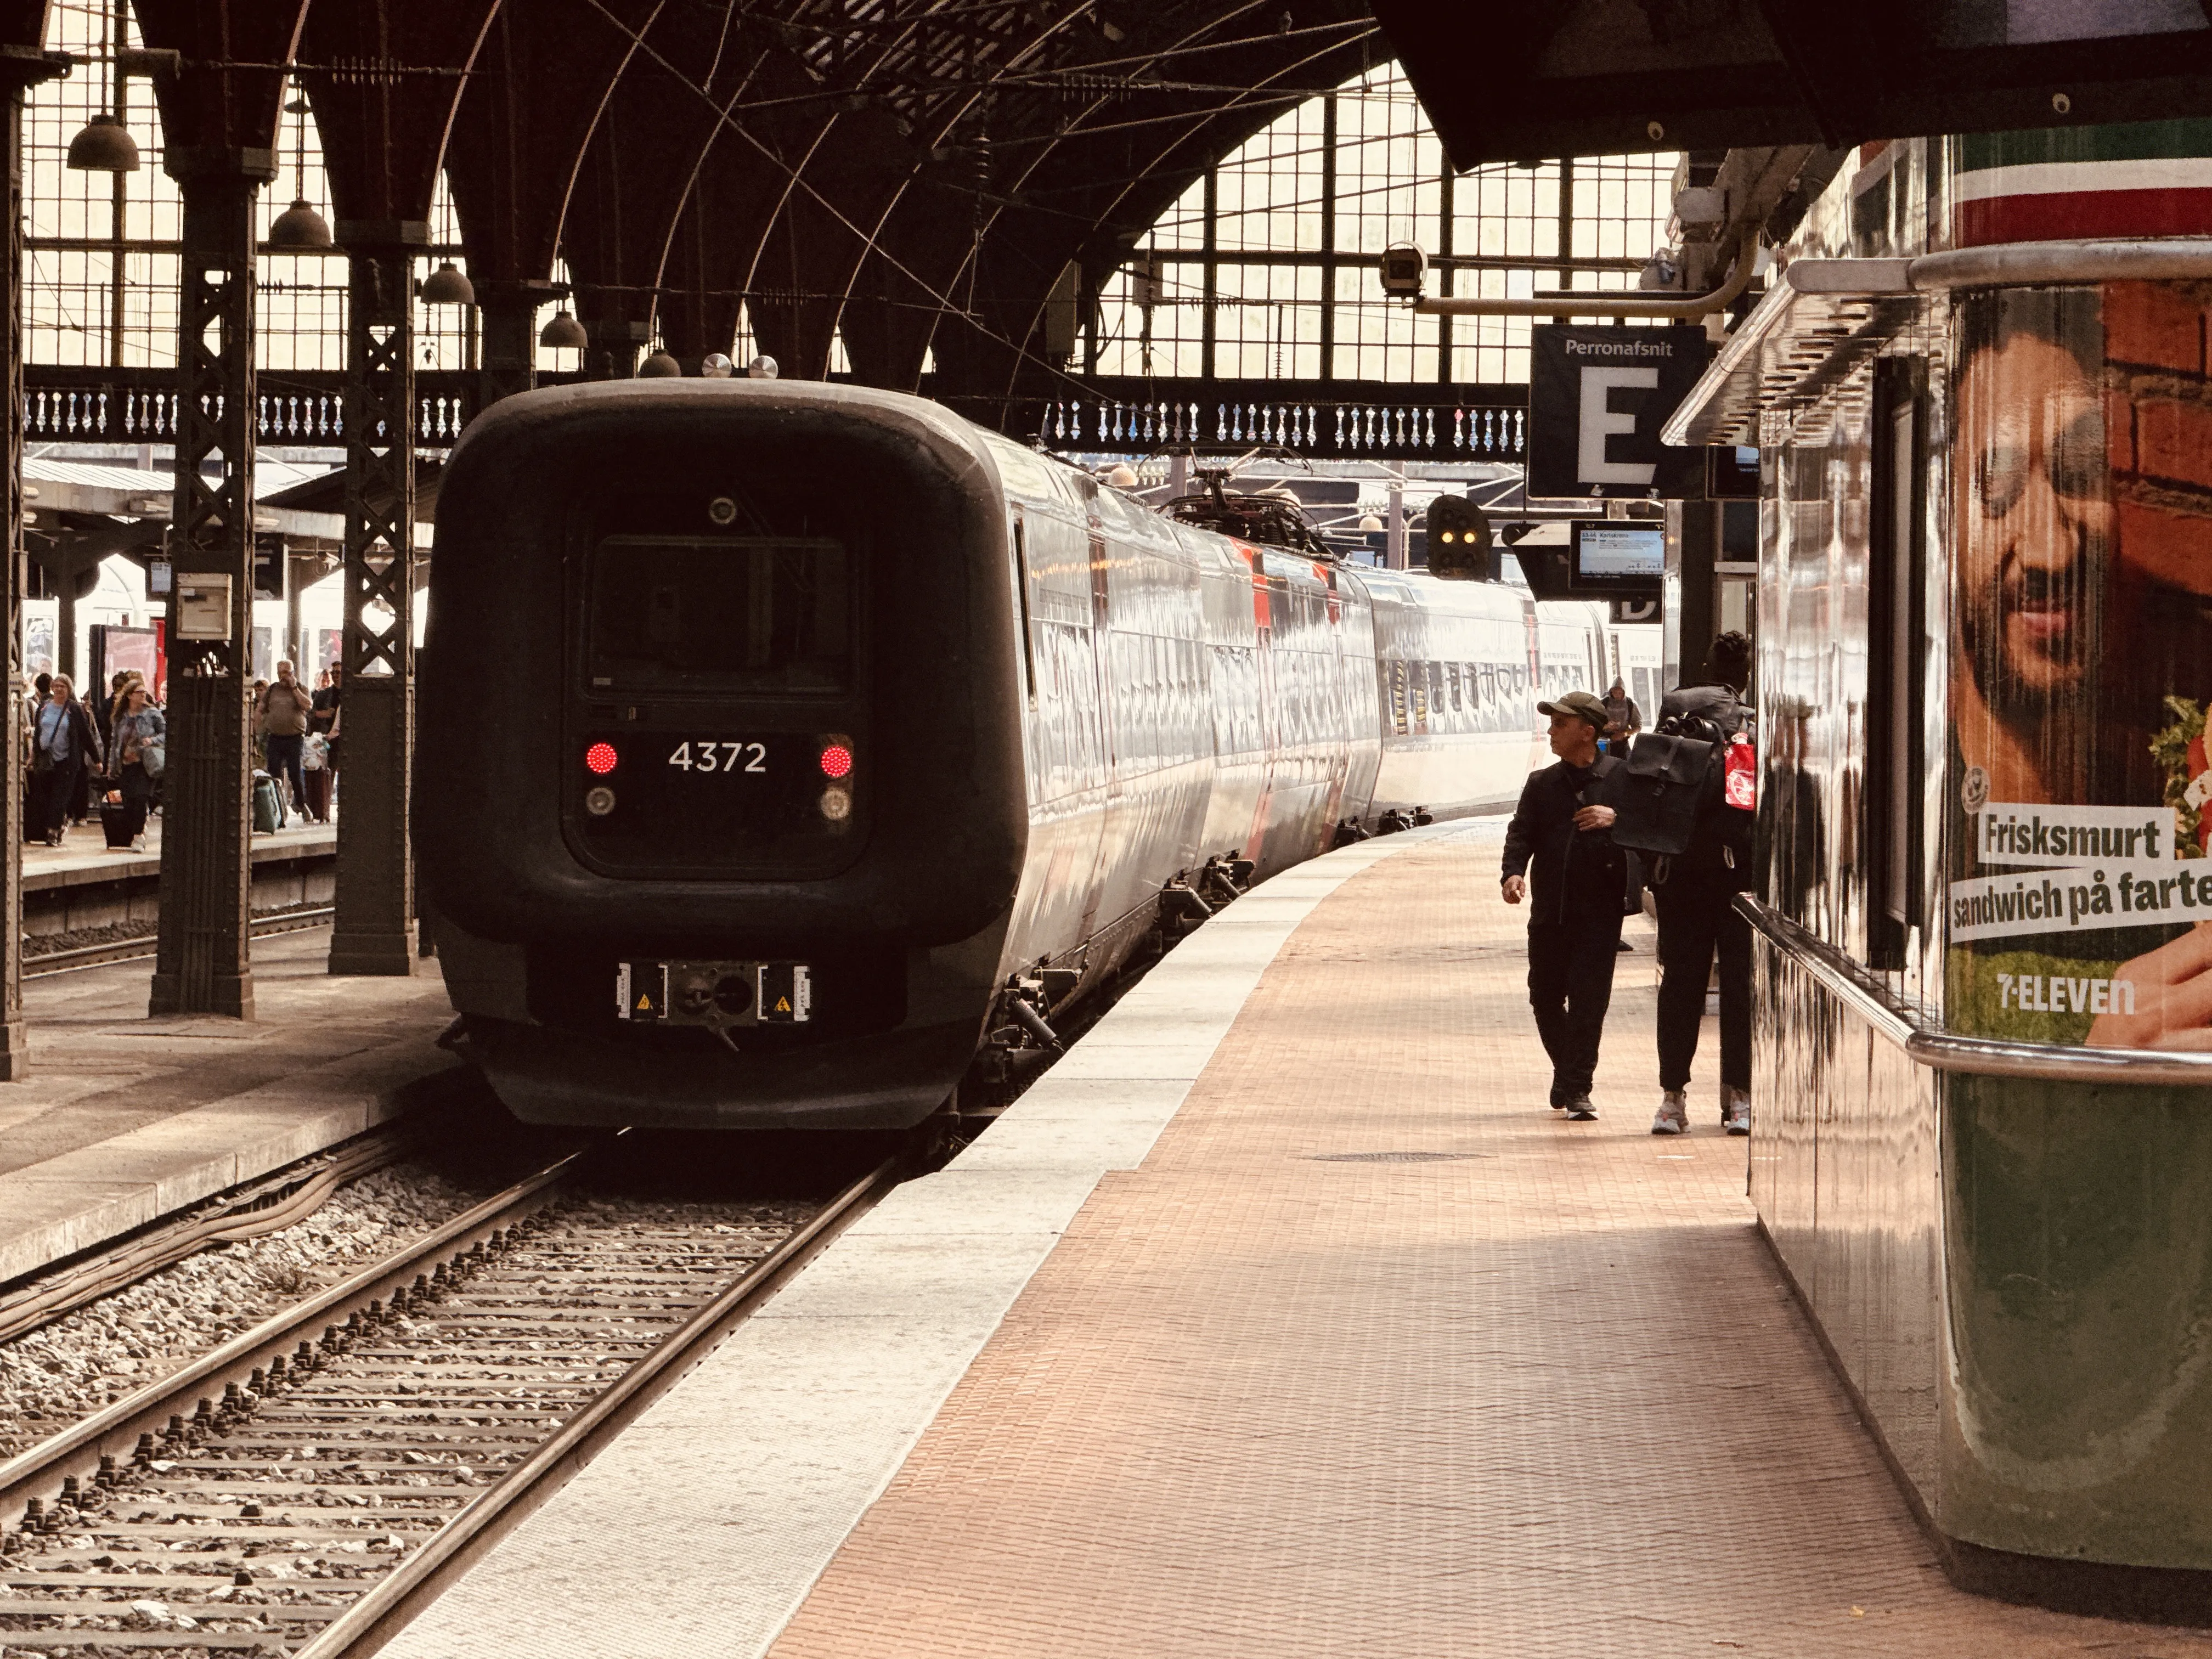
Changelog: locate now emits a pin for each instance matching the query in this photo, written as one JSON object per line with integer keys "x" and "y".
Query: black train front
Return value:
{"x": 769, "y": 731}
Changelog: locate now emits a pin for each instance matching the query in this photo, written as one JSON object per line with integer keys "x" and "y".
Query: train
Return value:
{"x": 791, "y": 755}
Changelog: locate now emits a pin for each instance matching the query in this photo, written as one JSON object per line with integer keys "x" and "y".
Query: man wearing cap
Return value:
{"x": 1564, "y": 828}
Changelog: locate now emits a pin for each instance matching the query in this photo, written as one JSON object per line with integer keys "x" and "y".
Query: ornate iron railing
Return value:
{"x": 1322, "y": 419}
{"x": 139, "y": 406}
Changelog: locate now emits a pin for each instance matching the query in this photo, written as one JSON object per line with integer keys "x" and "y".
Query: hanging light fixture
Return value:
{"x": 299, "y": 229}
{"x": 104, "y": 144}
{"x": 717, "y": 367}
{"x": 658, "y": 366}
{"x": 447, "y": 286}
{"x": 563, "y": 332}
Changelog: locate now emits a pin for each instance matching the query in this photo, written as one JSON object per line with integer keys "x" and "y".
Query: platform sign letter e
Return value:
{"x": 1598, "y": 399}
{"x": 1600, "y": 422}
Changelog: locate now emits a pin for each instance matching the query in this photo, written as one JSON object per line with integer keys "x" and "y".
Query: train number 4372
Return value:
{"x": 709, "y": 755}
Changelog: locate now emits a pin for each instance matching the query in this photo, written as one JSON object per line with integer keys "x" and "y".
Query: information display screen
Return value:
{"x": 1618, "y": 555}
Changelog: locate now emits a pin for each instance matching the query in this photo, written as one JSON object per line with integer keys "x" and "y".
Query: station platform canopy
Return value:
{"x": 1585, "y": 77}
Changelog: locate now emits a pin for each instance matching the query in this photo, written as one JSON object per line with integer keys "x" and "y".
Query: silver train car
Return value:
{"x": 835, "y": 738}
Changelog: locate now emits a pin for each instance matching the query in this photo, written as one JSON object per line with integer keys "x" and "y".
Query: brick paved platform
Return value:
{"x": 1366, "y": 1353}
{"x": 125, "y": 1119}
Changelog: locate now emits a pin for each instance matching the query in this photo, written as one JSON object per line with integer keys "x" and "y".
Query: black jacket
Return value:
{"x": 1577, "y": 872}
{"x": 1721, "y": 843}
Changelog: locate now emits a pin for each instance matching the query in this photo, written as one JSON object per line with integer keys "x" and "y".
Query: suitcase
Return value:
{"x": 113, "y": 822}
{"x": 268, "y": 806}
{"x": 318, "y": 793}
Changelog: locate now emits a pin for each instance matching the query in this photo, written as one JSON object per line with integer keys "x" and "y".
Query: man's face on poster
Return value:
{"x": 2037, "y": 521}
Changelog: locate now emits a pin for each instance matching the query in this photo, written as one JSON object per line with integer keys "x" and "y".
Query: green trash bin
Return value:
{"x": 268, "y": 806}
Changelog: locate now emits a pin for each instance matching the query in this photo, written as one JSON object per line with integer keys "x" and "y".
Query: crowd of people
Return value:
{"x": 1562, "y": 860}
{"x": 83, "y": 755}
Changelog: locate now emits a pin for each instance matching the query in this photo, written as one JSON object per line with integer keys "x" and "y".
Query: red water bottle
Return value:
{"x": 1742, "y": 782}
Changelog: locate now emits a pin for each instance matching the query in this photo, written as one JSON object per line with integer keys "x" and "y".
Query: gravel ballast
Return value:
{"x": 90, "y": 1358}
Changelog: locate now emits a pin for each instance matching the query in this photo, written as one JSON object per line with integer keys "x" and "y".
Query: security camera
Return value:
{"x": 1403, "y": 267}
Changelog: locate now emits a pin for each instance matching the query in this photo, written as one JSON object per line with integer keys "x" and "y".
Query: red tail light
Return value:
{"x": 601, "y": 758}
{"x": 836, "y": 761}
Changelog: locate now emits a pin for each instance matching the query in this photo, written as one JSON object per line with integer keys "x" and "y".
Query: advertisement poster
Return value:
{"x": 41, "y": 620}
{"x": 2080, "y": 907}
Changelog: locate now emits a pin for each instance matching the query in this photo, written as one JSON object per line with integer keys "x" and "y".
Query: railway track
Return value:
{"x": 39, "y": 962}
{"x": 310, "y": 1485}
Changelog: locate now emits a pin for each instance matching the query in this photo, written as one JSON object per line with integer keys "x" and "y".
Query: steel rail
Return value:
{"x": 113, "y": 1432}
{"x": 284, "y": 1197}
{"x": 136, "y": 949}
{"x": 380, "y": 1614}
{"x": 1907, "y": 1028}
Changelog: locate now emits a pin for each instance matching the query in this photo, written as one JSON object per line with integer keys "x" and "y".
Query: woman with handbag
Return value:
{"x": 64, "y": 744}
{"x": 141, "y": 751}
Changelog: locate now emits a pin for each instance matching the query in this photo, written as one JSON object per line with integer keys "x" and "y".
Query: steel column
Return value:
{"x": 20, "y": 67}
{"x": 374, "y": 929}
{"x": 506, "y": 313}
{"x": 202, "y": 961}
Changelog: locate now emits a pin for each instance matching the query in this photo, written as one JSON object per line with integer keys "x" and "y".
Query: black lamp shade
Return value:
{"x": 447, "y": 286}
{"x": 658, "y": 366}
{"x": 104, "y": 145}
{"x": 563, "y": 330}
{"x": 299, "y": 229}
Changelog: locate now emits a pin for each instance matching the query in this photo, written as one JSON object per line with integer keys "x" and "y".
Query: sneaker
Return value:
{"x": 1579, "y": 1110}
{"x": 1736, "y": 1111}
{"x": 139, "y": 843}
{"x": 1673, "y": 1117}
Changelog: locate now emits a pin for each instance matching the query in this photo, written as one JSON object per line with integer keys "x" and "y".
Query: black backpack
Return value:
{"x": 1674, "y": 773}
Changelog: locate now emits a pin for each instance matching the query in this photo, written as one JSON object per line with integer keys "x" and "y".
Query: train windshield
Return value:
{"x": 719, "y": 614}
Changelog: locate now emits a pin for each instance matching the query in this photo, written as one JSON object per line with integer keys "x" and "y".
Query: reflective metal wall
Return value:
{"x": 2013, "y": 1274}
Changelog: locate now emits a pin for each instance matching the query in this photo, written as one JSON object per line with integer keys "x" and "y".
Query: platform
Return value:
{"x": 84, "y": 883}
{"x": 1280, "y": 1319}
{"x": 125, "y": 1119}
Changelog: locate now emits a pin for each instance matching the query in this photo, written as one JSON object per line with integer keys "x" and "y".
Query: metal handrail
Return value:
{"x": 1904, "y": 1025}
{"x": 2149, "y": 259}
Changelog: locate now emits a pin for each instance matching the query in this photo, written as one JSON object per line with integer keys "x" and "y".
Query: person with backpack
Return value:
{"x": 1561, "y": 839}
{"x": 1696, "y": 885}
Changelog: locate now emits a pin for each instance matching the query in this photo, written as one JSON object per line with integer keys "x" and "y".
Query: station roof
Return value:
{"x": 1509, "y": 80}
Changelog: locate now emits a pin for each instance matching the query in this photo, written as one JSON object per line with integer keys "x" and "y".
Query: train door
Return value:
{"x": 1263, "y": 625}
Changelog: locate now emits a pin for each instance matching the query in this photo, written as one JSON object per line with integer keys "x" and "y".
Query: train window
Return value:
{"x": 698, "y": 613}
{"x": 1451, "y": 676}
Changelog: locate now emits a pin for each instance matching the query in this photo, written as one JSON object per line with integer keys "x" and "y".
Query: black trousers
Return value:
{"x": 138, "y": 790}
{"x": 284, "y": 755}
{"x": 1570, "y": 987}
{"x": 51, "y": 792}
{"x": 1697, "y": 916}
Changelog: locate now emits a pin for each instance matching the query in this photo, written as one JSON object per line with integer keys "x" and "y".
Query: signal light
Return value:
{"x": 836, "y": 761}
{"x": 600, "y": 758}
{"x": 1459, "y": 540}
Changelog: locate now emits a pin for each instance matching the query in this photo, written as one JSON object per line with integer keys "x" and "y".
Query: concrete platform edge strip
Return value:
{"x": 100, "y": 1192}
{"x": 709, "y": 1524}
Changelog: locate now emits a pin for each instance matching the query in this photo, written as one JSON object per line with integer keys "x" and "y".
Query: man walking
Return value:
{"x": 1560, "y": 840}
{"x": 1696, "y": 889}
